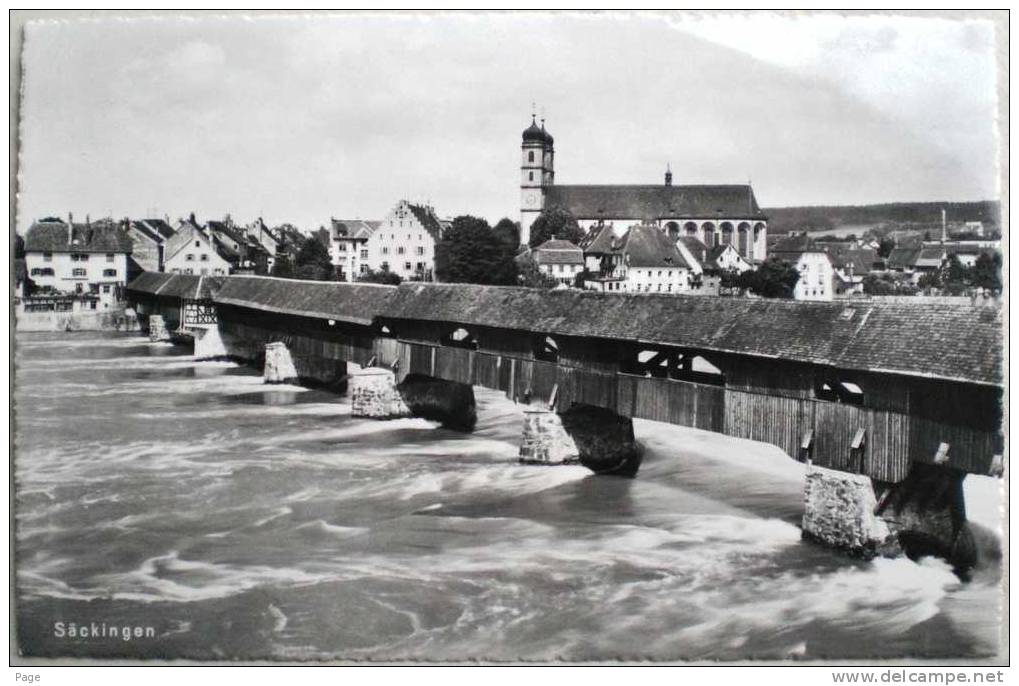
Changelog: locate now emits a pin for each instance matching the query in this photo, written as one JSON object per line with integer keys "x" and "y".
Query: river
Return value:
{"x": 229, "y": 519}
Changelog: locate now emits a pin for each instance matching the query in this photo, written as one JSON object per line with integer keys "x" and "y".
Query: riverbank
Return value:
{"x": 119, "y": 319}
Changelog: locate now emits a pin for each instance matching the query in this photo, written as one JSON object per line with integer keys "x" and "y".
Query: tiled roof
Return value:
{"x": 428, "y": 220}
{"x": 930, "y": 256}
{"x": 146, "y": 231}
{"x": 354, "y": 228}
{"x": 793, "y": 244}
{"x": 862, "y": 260}
{"x": 937, "y": 340}
{"x": 600, "y": 240}
{"x": 159, "y": 226}
{"x": 648, "y": 246}
{"x": 902, "y": 258}
{"x": 52, "y": 237}
{"x": 656, "y": 202}
{"x": 351, "y": 302}
{"x": 556, "y": 251}
{"x": 175, "y": 285}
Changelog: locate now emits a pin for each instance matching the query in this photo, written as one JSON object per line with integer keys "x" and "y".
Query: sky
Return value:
{"x": 302, "y": 118}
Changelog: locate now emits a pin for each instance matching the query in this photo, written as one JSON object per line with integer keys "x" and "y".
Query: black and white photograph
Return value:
{"x": 509, "y": 338}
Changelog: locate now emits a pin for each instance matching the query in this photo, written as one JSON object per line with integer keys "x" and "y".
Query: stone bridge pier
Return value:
{"x": 925, "y": 514}
{"x": 283, "y": 364}
{"x": 596, "y": 437}
{"x": 157, "y": 328}
{"x": 375, "y": 393}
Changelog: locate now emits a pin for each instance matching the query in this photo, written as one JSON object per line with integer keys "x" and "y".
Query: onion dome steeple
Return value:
{"x": 533, "y": 133}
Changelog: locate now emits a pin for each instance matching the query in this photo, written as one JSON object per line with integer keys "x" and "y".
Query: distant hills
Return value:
{"x": 827, "y": 217}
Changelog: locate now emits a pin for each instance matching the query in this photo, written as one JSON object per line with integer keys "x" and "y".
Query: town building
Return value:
{"x": 643, "y": 260}
{"x": 403, "y": 242}
{"x": 347, "y": 238}
{"x": 81, "y": 259}
{"x": 716, "y": 214}
{"x": 148, "y": 240}
{"x": 559, "y": 260}
{"x": 194, "y": 250}
{"x": 817, "y": 271}
{"x": 258, "y": 232}
{"x": 708, "y": 265}
{"x": 246, "y": 255}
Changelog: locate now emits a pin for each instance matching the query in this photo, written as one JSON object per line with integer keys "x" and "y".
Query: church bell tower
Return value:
{"x": 536, "y": 172}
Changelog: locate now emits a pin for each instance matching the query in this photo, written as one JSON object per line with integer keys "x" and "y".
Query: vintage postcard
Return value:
{"x": 519, "y": 337}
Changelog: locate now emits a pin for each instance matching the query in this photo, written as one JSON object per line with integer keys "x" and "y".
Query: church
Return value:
{"x": 716, "y": 215}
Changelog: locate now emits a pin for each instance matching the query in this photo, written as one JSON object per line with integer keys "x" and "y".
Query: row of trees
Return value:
{"x": 954, "y": 278}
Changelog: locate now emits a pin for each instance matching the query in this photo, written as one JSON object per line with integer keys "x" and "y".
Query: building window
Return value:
{"x": 109, "y": 257}
{"x": 530, "y": 156}
{"x": 364, "y": 269}
{"x": 421, "y": 266}
{"x": 47, "y": 257}
{"x": 406, "y": 266}
{"x": 198, "y": 244}
{"x": 530, "y": 176}
{"x": 385, "y": 251}
{"x": 204, "y": 257}
{"x": 190, "y": 257}
{"x": 342, "y": 247}
{"x": 77, "y": 272}
{"x": 420, "y": 250}
{"x": 79, "y": 257}
{"x": 106, "y": 288}
{"x": 189, "y": 270}
{"x": 109, "y": 272}
{"x": 401, "y": 250}
{"x": 364, "y": 254}
{"x": 385, "y": 266}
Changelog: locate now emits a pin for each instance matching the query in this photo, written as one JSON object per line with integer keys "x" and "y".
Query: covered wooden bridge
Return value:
{"x": 858, "y": 386}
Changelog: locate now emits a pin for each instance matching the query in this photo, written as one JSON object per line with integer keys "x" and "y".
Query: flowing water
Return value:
{"x": 226, "y": 519}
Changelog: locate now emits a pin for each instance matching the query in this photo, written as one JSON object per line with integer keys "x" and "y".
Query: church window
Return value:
{"x": 530, "y": 156}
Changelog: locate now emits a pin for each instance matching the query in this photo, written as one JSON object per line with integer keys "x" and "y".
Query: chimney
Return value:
{"x": 668, "y": 174}
{"x": 944, "y": 226}
{"x": 70, "y": 227}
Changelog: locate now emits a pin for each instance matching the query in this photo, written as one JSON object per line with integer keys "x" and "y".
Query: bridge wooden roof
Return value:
{"x": 185, "y": 286}
{"x": 357, "y": 303}
{"x": 935, "y": 340}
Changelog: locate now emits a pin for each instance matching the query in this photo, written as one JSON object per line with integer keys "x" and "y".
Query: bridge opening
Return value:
{"x": 699, "y": 370}
{"x": 649, "y": 362}
{"x": 460, "y": 338}
{"x": 546, "y": 349}
{"x": 838, "y": 391}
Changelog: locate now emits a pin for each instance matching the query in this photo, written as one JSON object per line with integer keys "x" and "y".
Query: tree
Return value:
{"x": 773, "y": 279}
{"x": 282, "y": 267}
{"x": 508, "y": 232}
{"x": 555, "y": 222}
{"x": 471, "y": 252}
{"x": 952, "y": 278}
{"x": 383, "y": 276}
{"x": 531, "y": 276}
{"x": 885, "y": 247}
{"x": 986, "y": 272}
{"x": 876, "y": 284}
{"x": 313, "y": 262}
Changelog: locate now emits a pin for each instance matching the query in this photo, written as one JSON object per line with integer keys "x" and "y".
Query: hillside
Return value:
{"x": 824, "y": 218}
